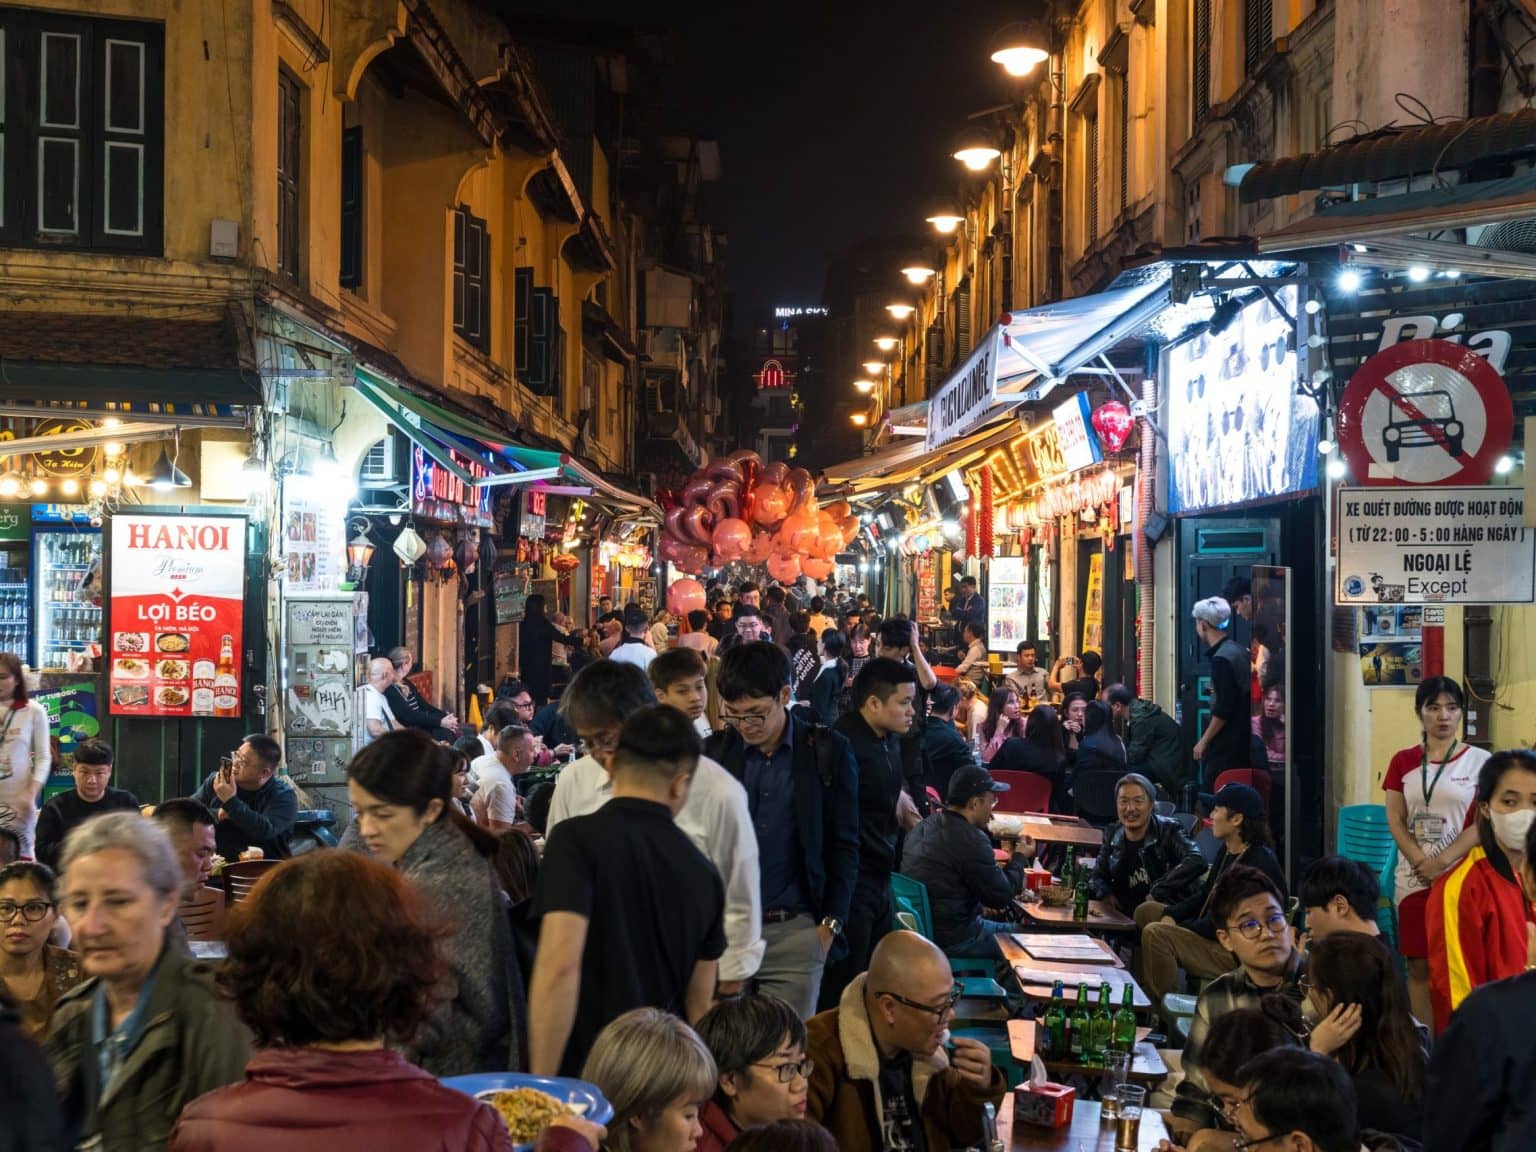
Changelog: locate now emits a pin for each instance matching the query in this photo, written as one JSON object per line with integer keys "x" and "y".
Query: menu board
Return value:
{"x": 928, "y": 588}
{"x": 510, "y": 588}
{"x": 1007, "y": 603}
{"x": 178, "y": 585}
{"x": 314, "y": 526}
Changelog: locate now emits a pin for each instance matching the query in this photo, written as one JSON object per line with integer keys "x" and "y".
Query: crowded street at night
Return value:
{"x": 592, "y": 576}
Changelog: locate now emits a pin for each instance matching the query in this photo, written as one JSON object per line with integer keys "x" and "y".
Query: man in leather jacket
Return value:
{"x": 1144, "y": 855}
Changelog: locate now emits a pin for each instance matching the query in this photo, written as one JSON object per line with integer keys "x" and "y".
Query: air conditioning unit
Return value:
{"x": 382, "y": 463}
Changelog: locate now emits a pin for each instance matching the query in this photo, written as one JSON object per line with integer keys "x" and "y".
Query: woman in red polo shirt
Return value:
{"x": 1477, "y": 911}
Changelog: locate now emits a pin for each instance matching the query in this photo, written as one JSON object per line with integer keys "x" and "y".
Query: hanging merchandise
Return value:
{"x": 409, "y": 546}
{"x": 1113, "y": 422}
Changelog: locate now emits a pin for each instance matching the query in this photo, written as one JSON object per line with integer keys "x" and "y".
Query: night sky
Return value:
{"x": 835, "y": 119}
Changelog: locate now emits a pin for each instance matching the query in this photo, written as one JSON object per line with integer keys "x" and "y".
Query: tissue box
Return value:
{"x": 1045, "y": 1105}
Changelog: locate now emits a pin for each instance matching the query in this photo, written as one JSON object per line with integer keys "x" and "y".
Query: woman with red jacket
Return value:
{"x": 332, "y": 956}
{"x": 1477, "y": 912}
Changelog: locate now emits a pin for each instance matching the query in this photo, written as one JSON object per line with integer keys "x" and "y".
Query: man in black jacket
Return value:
{"x": 944, "y": 748}
{"x": 1154, "y": 746}
{"x": 254, "y": 805}
{"x": 898, "y": 640}
{"x": 1144, "y": 856}
{"x": 882, "y": 712}
{"x": 1225, "y": 743}
{"x": 951, "y": 854}
{"x": 803, "y": 793}
{"x": 410, "y": 709}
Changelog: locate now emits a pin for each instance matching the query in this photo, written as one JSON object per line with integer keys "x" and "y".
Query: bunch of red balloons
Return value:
{"x": 739, "y": 508}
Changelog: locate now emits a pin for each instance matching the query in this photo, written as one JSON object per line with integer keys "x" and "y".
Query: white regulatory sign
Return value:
{"x": 1433, "y": 545}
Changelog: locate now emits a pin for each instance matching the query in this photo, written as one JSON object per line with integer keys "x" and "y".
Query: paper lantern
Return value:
{"x": 1113, "y": 422}
{"x": 409, "y": 546}
{"x": 564, "y": 563}
{"x": 731, "y": 540}
{"x": 685, "y": 596}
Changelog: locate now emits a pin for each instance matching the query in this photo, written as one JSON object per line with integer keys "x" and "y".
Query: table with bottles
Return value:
{"x": 1101, "y": 918}
{"x": 1088, "y": 1131}
{"x": 1024, "y": 1044}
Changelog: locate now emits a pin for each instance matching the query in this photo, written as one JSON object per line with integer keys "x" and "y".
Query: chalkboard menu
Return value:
{"x": 510, "y": 588}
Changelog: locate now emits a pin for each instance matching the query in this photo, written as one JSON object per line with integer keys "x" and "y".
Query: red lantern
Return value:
{"x": 1113, "y": 422}
{"x": 564, "y": 563}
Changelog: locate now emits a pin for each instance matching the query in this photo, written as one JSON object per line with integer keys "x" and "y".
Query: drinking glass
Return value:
{"x": 1133, "y": 1098}
{"x": 1117, "y": 1069}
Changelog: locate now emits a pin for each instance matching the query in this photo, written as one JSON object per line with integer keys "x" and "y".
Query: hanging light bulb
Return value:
{"x": 98, "y": 488}
{"x": 69, "y": 486}
{"x": 38, "y": 487}
{"x": 10, "y": 484}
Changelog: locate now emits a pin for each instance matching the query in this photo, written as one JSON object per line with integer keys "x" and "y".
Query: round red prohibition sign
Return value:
{"x": 1425, "y": 412}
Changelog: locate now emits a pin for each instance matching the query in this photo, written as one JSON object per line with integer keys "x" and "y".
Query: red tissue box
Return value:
{"x": 1045, "y": 1105}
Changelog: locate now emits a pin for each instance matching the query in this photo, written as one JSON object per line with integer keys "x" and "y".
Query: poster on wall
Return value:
{"x": 928, "y": 588}
{"x": 177, "y": 609}
{"x": 1007, "y": 603}
{"x": 1238, "y": 431}
{"x": 314, "y": 531}
{"x": 319, "y": 686}
{"x": 1093, "y": 605}
{"x": 1391, "y": 645}
{"x": 71, "y": 719}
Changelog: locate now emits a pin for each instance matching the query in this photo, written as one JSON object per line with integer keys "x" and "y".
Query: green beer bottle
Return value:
{"x": 1051, "y": 1039}
{"x": 1100, "y": 1027}
{"x": 1125, "y": 1022}
{"x": 1079, "y": 1024}
{"x": 1069, "y": 869}
{"x": 1080, "y": 897}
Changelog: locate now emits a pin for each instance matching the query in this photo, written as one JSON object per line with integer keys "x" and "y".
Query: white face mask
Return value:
{"x": 1510, "y": 828}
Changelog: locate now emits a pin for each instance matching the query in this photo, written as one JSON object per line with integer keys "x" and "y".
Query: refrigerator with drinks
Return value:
{"x": 15, "y": 603}
{"x": 67, "y": 586}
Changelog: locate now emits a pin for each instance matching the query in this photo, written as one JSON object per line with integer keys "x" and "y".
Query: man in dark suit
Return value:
{"x": 803, "y": 794}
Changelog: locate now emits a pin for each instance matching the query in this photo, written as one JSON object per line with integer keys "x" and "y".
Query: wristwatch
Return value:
{"x": 833, "y": 925}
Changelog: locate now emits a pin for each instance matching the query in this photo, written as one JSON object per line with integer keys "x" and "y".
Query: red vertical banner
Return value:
{"x": 177, "y": 608}
{"x": 1433, "y": 641}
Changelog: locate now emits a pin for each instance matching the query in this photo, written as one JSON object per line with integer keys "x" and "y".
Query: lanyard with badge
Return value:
{"x": 7, "y": 769}
{"x": 1427, "y": 828}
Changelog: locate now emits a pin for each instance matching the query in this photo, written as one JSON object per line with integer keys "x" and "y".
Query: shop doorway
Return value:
{"x": 1106, "y": 595}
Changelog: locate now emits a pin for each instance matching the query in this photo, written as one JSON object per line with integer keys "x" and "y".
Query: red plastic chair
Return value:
{"x": 1027, "y": 791}
{"x": 1255, "y": 778}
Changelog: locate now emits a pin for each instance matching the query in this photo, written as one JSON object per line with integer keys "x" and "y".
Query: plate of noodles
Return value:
{"x": 528, "y": 1104}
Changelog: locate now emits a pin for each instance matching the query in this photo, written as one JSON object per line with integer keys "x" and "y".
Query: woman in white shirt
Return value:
{"x": 25, "y": 755}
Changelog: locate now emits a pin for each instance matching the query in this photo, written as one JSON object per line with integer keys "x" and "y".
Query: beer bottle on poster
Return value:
{"x": 226, "y": 686}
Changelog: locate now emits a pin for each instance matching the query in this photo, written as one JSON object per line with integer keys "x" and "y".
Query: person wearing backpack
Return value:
{"x": 803, "y": 795}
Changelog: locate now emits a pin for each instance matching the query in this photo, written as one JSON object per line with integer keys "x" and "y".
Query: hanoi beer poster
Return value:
{"x": 177, "y": 594}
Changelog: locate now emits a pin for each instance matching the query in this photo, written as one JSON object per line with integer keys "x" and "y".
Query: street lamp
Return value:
{"x": 900, "y": 311}
{"x": 977, "y": 157}
{"x": 874, "y": 367}
{"x": 1019, "y": 47}
{"x": 885, "y": 343}
{"x": 946, "y": 223}
{"x": 919, "y": 275}
{"x": 859, "y": 419}
{"x": 864, "y": 387}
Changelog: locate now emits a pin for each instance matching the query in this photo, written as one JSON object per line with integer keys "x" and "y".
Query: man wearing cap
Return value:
{"x": 951, "y": 854}
{"x": 1182, "y": 934}
{"x": 1224, "y": 744}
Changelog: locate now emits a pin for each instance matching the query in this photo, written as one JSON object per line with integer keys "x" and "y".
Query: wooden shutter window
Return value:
{"x": 351, "y": 274}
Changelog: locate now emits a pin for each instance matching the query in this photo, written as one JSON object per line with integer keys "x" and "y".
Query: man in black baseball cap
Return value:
{"x": 951, "y": 853}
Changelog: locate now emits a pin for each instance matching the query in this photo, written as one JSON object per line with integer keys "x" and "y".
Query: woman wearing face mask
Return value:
{"x": 1477, "y": 1094}
{"x": 1431, "y": 790}
{"x": 1477, "y": 912}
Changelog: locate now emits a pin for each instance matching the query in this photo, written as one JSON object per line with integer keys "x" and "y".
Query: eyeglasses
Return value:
{"x": 523, "y": 705}
{"x": 940, "y": 1011}
{"x": 788, "y": 1073}
{"x": 1274, "y": 924}
{"x": 744, "y": 719}
{"x": 1243, "y": 1143}
{"x": 32, "y": 911}
{"x": 604, "y": 744}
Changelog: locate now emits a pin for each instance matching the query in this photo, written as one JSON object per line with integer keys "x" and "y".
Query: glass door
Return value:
{"x": 15, "y": 602}
{"x": 68, "y": 604}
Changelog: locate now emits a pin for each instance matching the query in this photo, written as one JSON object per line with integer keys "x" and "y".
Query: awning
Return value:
{"x": 1433, "y": 210}
{"x": 914, "y": 463}
{"x": 441, "y": 433}
{"x": 1029, "y": 353}
{"x": 101, "y": 360}
{"x": 1395, "y": 154}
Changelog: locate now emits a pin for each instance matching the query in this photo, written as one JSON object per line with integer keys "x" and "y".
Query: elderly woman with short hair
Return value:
{"x": 148, "y": 1032}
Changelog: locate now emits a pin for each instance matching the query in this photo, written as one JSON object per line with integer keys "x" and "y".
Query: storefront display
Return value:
{"x": 177, "y": 609}
{"x": 67, "y": 588}
{"x": 1007, "y": 603}
{"x": 15, "y": 584}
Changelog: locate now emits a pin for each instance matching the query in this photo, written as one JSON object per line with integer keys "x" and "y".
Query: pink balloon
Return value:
{"x": 674, "y": 523}
{"x": 731, "y": 540}
{"x": 685, "y": 596}
{"x": 688, "y": 557}
{"x": 722, "y": 470}
{"x": 725, "y": 501}
{"x": 784, "y": 567}
{"x": 745, "y": 456}
{"x": 801, "y": 488}
{"x": 799, "y": 533}
{"x": 697, "y": 490}
{"x": 830, "y": 537}
{"x": 761, "y": 547}
{"x": 770, "y": 504}
{"x": 850, "y": 526}
{"x": 816, "y": 567}
{"x": 774, "y": 473}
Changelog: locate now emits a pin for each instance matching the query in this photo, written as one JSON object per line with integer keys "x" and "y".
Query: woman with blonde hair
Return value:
{"x": 657, "y": 1074}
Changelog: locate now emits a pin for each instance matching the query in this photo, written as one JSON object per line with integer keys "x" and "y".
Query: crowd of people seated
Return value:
{"x": 675, "y": 882}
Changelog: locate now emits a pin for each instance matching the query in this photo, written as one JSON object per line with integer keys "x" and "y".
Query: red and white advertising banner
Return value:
{"x": 178, "y": 585}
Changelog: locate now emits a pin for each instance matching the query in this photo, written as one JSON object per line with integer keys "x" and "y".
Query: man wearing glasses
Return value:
{"x": 877, "y": 1057}
{"x": 1250, "y": 919}
{"x": 1296, "y": 1101}
{"x": 802, "y": 791}
{"x": 714, "y": 815}
{"x": 91, "y": 797}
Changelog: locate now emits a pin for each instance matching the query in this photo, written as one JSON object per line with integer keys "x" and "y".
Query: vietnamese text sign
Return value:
{"x": 178, "y": 589}
{"x": 1079, "y": 442}
{"x": 1435, "y": 545}
{"x": 966, "y": 398}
